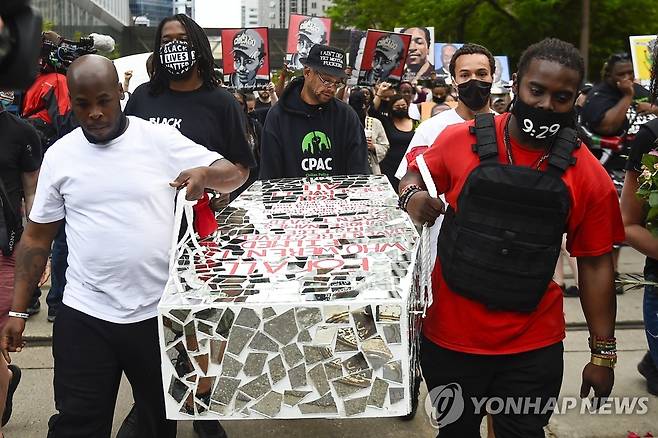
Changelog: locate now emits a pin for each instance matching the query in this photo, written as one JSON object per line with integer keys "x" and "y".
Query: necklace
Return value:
{"x": 508, "y": 149}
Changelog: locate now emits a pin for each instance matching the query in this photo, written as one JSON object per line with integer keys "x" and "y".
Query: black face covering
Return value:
{"x": 474, "y": 93}
{"x": 400, "y": 113}
{"x": 123, "y": 122}
{"x": 540, "y": 124}
{"x": 439, "y": 99}
{"x": 177, "y": 58}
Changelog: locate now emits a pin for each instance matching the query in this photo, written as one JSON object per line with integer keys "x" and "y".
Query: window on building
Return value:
{"x": 314, "y": 5}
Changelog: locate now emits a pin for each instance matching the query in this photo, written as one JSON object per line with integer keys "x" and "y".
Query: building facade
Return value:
{"x": 274, "y": 13}
{"x": 184, "y": 7}
{"x": 249, "y": 13}
{"x": 112, "y": 13}
{"x": 154, "y": 10}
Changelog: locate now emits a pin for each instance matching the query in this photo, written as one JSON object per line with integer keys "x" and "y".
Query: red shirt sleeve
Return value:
{"x": 595, "y": 222}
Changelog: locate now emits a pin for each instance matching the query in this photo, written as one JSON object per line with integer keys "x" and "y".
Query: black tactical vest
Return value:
{"x": 501, "y": 245}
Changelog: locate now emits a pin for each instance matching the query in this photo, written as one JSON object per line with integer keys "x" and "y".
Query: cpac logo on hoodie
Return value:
{"x": 316, "y": 143}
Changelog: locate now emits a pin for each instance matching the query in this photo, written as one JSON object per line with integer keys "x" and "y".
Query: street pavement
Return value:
{"x": 33, "y": 402}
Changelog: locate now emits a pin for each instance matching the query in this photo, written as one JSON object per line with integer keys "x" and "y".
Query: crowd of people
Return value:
{"x": 517, "y": 195}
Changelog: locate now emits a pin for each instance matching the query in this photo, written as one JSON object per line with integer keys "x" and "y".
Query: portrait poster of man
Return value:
{"x": 355, "y": 54}
{"x": 384, "y": 56}
{"x": 501, "y": 77}
{"x": 442, "y": 54}
{"x": 303, "y": 33}
{"x": 420, "y": 58}
{"x": 246, "y": 58}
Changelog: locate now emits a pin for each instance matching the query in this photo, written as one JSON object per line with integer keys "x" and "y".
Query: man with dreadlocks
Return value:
{"x": 185, "y": 93}
{"x": 514, "y": 184}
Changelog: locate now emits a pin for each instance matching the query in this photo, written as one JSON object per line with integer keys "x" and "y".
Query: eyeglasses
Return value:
{"x": 327, "y": 83}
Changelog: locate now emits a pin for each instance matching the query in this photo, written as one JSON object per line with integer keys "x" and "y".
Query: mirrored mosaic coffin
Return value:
{"x": 303, "y": 305}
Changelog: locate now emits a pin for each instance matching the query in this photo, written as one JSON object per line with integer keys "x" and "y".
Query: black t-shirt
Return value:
{"x": 644, "y": 142}
{"x": 260, "y": 104}
{"x": 398, "y": 142}
{"x": 212, "y": 118}
{"x": 20, "y": 152}
{"x": 603, "y": 97}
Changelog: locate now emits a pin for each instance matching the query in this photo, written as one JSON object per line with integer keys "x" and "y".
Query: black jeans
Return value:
{"x": 90, "y": 355}
{"x": 533, "y": 374}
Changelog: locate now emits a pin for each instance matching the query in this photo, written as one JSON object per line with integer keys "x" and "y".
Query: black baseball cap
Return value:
{"x": 326, "y": 59}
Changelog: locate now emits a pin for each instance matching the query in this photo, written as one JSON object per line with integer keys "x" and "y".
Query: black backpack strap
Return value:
{"x": 566, "y": 141}
{"x": 484, "y": 130}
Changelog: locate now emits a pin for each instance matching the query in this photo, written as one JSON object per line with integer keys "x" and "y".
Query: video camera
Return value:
{"x": 60, "y": 56}
{"x": 20, "y": 30}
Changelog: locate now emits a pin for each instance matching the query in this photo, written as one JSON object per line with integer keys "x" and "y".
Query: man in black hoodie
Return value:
{"x": 309, "y": 132}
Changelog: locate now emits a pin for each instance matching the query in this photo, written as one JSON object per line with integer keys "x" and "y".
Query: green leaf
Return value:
{"x": 653, "y": 199}
{"x": 654, "y": 231}
{"x": 649, "y": 160}
{"x": 652, "y": 214}
{"x": 643, "y": 193}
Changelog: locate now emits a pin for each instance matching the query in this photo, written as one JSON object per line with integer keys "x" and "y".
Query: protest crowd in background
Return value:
{"x": 400, "y": 103}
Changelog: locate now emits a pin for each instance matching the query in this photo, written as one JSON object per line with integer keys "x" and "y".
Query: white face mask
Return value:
{"x": 177, "y": 57}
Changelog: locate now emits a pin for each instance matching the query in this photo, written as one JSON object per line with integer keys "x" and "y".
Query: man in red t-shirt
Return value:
{"x": 518, "y": 354}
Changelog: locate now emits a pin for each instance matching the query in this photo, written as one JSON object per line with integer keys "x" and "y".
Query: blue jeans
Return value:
{"x": 650, "y": 312}
{"x": 58, "y": 265}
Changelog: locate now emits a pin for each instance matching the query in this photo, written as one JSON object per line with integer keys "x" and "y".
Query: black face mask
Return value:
{"x": 400, "y": 113}
{"x": 177, "y": 57}
{"x": 474, "y": 93}
{"x": 439, "y": 99}
{"x": 123, "y": 122}
{"x": 539, "y": 124}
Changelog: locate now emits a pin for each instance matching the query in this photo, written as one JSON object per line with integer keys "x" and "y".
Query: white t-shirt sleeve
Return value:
{"x": 419, "y": 139}
{"x": 414, "y": 112}
{"x": 48, "y": 203}
{"x": 185, "y": 154}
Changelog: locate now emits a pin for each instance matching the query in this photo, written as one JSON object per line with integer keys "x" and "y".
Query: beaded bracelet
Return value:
{"x": 602, "y": 344}
{"x": 406, "y": 195}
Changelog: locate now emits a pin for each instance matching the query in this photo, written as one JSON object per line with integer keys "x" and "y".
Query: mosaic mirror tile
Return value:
{"x": 304, "y": 304}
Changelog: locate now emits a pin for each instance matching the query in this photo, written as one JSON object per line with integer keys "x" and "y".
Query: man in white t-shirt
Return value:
{"x": 113, "y": 181}
{"x": 471, "y": 68}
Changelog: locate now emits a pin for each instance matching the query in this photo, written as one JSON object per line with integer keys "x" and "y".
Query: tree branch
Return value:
{"x": 494, "y": 4}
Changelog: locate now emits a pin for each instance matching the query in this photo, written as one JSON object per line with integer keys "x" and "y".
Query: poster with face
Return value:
{"x": 501, "y": 76}
{"x": 355, "y": 54}
{"x": 641, "y": 49}
{"x": 442, "y": 55}
{"x": 246, "y": 58}
{"x": 420, "y": 58}
{"x": 303, "y": 33}
{"x": 383, "y": 58}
